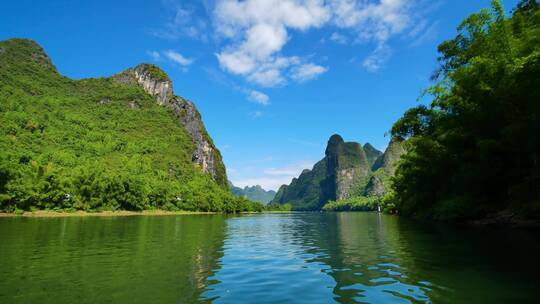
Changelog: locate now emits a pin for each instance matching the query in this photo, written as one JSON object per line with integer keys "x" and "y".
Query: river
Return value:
{"x": 263, "y": 258}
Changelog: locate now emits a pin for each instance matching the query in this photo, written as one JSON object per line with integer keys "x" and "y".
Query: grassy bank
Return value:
{"x": 79, "y": 213}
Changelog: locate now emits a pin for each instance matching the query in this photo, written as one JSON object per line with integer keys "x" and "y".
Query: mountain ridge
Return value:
{"x": 347, "y": 170}
{"x": 254, "y": 193}
{"x": 120, "y": 142}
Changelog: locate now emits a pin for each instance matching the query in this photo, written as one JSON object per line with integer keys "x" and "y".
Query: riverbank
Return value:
{"x": 79, "y": 213}
{"x": 505, "y": 218}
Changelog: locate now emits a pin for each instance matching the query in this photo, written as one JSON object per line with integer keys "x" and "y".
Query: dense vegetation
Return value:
{"x": 358, "y": 203}
{"x": 475, "y": 150}
{"x": 343, "y": 172}
{"x": 278, "y": 207}
{"x": 93, "y": 144}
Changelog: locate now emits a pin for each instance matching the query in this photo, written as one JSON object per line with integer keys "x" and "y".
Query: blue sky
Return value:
{"x": 273, "y": 79}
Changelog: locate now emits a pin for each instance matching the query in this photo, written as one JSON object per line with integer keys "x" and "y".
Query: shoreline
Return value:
{"x": 80, "y": 213}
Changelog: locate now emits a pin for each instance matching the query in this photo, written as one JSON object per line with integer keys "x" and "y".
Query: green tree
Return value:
{"x": 475, "y": 149}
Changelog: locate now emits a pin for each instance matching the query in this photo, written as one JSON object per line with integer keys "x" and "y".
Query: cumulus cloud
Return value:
{"x": 374, "y": 22}
{"x": 256, "y": 32}
{"x": 178, "y": 58}
{"x": 252, "y": 35}
{"x": 258, "y": 97}
{"x": 307, "y": 71}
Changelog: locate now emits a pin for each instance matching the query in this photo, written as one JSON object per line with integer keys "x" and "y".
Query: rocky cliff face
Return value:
{"x": 347, "y": 165}
{"x": 347, "y": 170}
{"x": 156, "y": 83}
{"x": 339, "y": 175}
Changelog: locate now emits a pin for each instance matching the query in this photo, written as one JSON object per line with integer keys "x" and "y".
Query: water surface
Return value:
{"x": 263, "y": 258}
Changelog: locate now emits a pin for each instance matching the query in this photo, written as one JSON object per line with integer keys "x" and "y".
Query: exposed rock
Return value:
{"x": 344, "y": 172}
{"x": 309, "y": 191}
{"x": 347, "y": 164}
{"x": 134, "y": 105}
{"x": 375, "y": 187}
{"x": 104, "y": 101}
{"x": 156, "y": 83}
{"x": 337, "y": 176}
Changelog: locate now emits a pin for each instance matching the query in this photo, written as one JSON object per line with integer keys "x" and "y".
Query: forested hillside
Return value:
{"x": 475, "y": 150}
{"x": 124, "y": 142}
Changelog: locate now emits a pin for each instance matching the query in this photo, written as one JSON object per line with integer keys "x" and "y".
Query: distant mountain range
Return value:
{"x": 254, "y": 193}
{"x": 347, "y": 170}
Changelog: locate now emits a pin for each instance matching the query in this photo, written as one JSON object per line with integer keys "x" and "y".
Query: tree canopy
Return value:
{"x": 475, "y": 149}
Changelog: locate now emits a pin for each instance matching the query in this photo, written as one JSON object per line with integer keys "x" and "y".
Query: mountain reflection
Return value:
{"x": 108, "y": 260}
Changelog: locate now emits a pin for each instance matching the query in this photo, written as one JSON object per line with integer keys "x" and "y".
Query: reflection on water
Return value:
{"x": 263, "y": 258}
{"x": 108, "y": 260}
{"x": 371, "y": 258}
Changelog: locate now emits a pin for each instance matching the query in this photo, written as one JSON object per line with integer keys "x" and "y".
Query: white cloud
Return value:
{"x": 374, "y": 22}
{"x": 258, "y": 97}
{"x": 258, "y": 31}
{"x": 253, "y": 34}
{"x": 273, "y": 178}
{"x": 154, "y": 55}
{"x": 374, "y": 62}
{"x": 338, "y": 38}
{"x": 178, "y": 58}
{"x": 423, "y": 33}
{"x": 184, "y": 21}
{"x": 255, "y": 114}
{"x": 267, "y": 183}
{"x": 307, "y": 71}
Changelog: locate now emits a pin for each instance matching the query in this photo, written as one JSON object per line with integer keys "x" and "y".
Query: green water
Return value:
{"x": 264, "y": 258}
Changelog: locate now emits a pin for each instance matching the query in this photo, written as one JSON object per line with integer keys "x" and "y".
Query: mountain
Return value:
{"x": 389, "y": 159}
{"x": 156, "y": 83}
{"x": 347, "y": 170}
{"x": 120, "y": 142}
{"x": 371, "y": 153}
{"x": 254, "y": 193}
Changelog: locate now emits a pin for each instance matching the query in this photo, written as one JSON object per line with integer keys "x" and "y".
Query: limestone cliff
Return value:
{"x": 339, "y": 175}
{"x": 347, "y": 170}
{"x": 347, "y": 165}
{"x": 156, "y": 83}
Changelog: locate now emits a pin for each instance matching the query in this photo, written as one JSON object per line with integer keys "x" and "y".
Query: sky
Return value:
{"x": 273, "y": 79}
